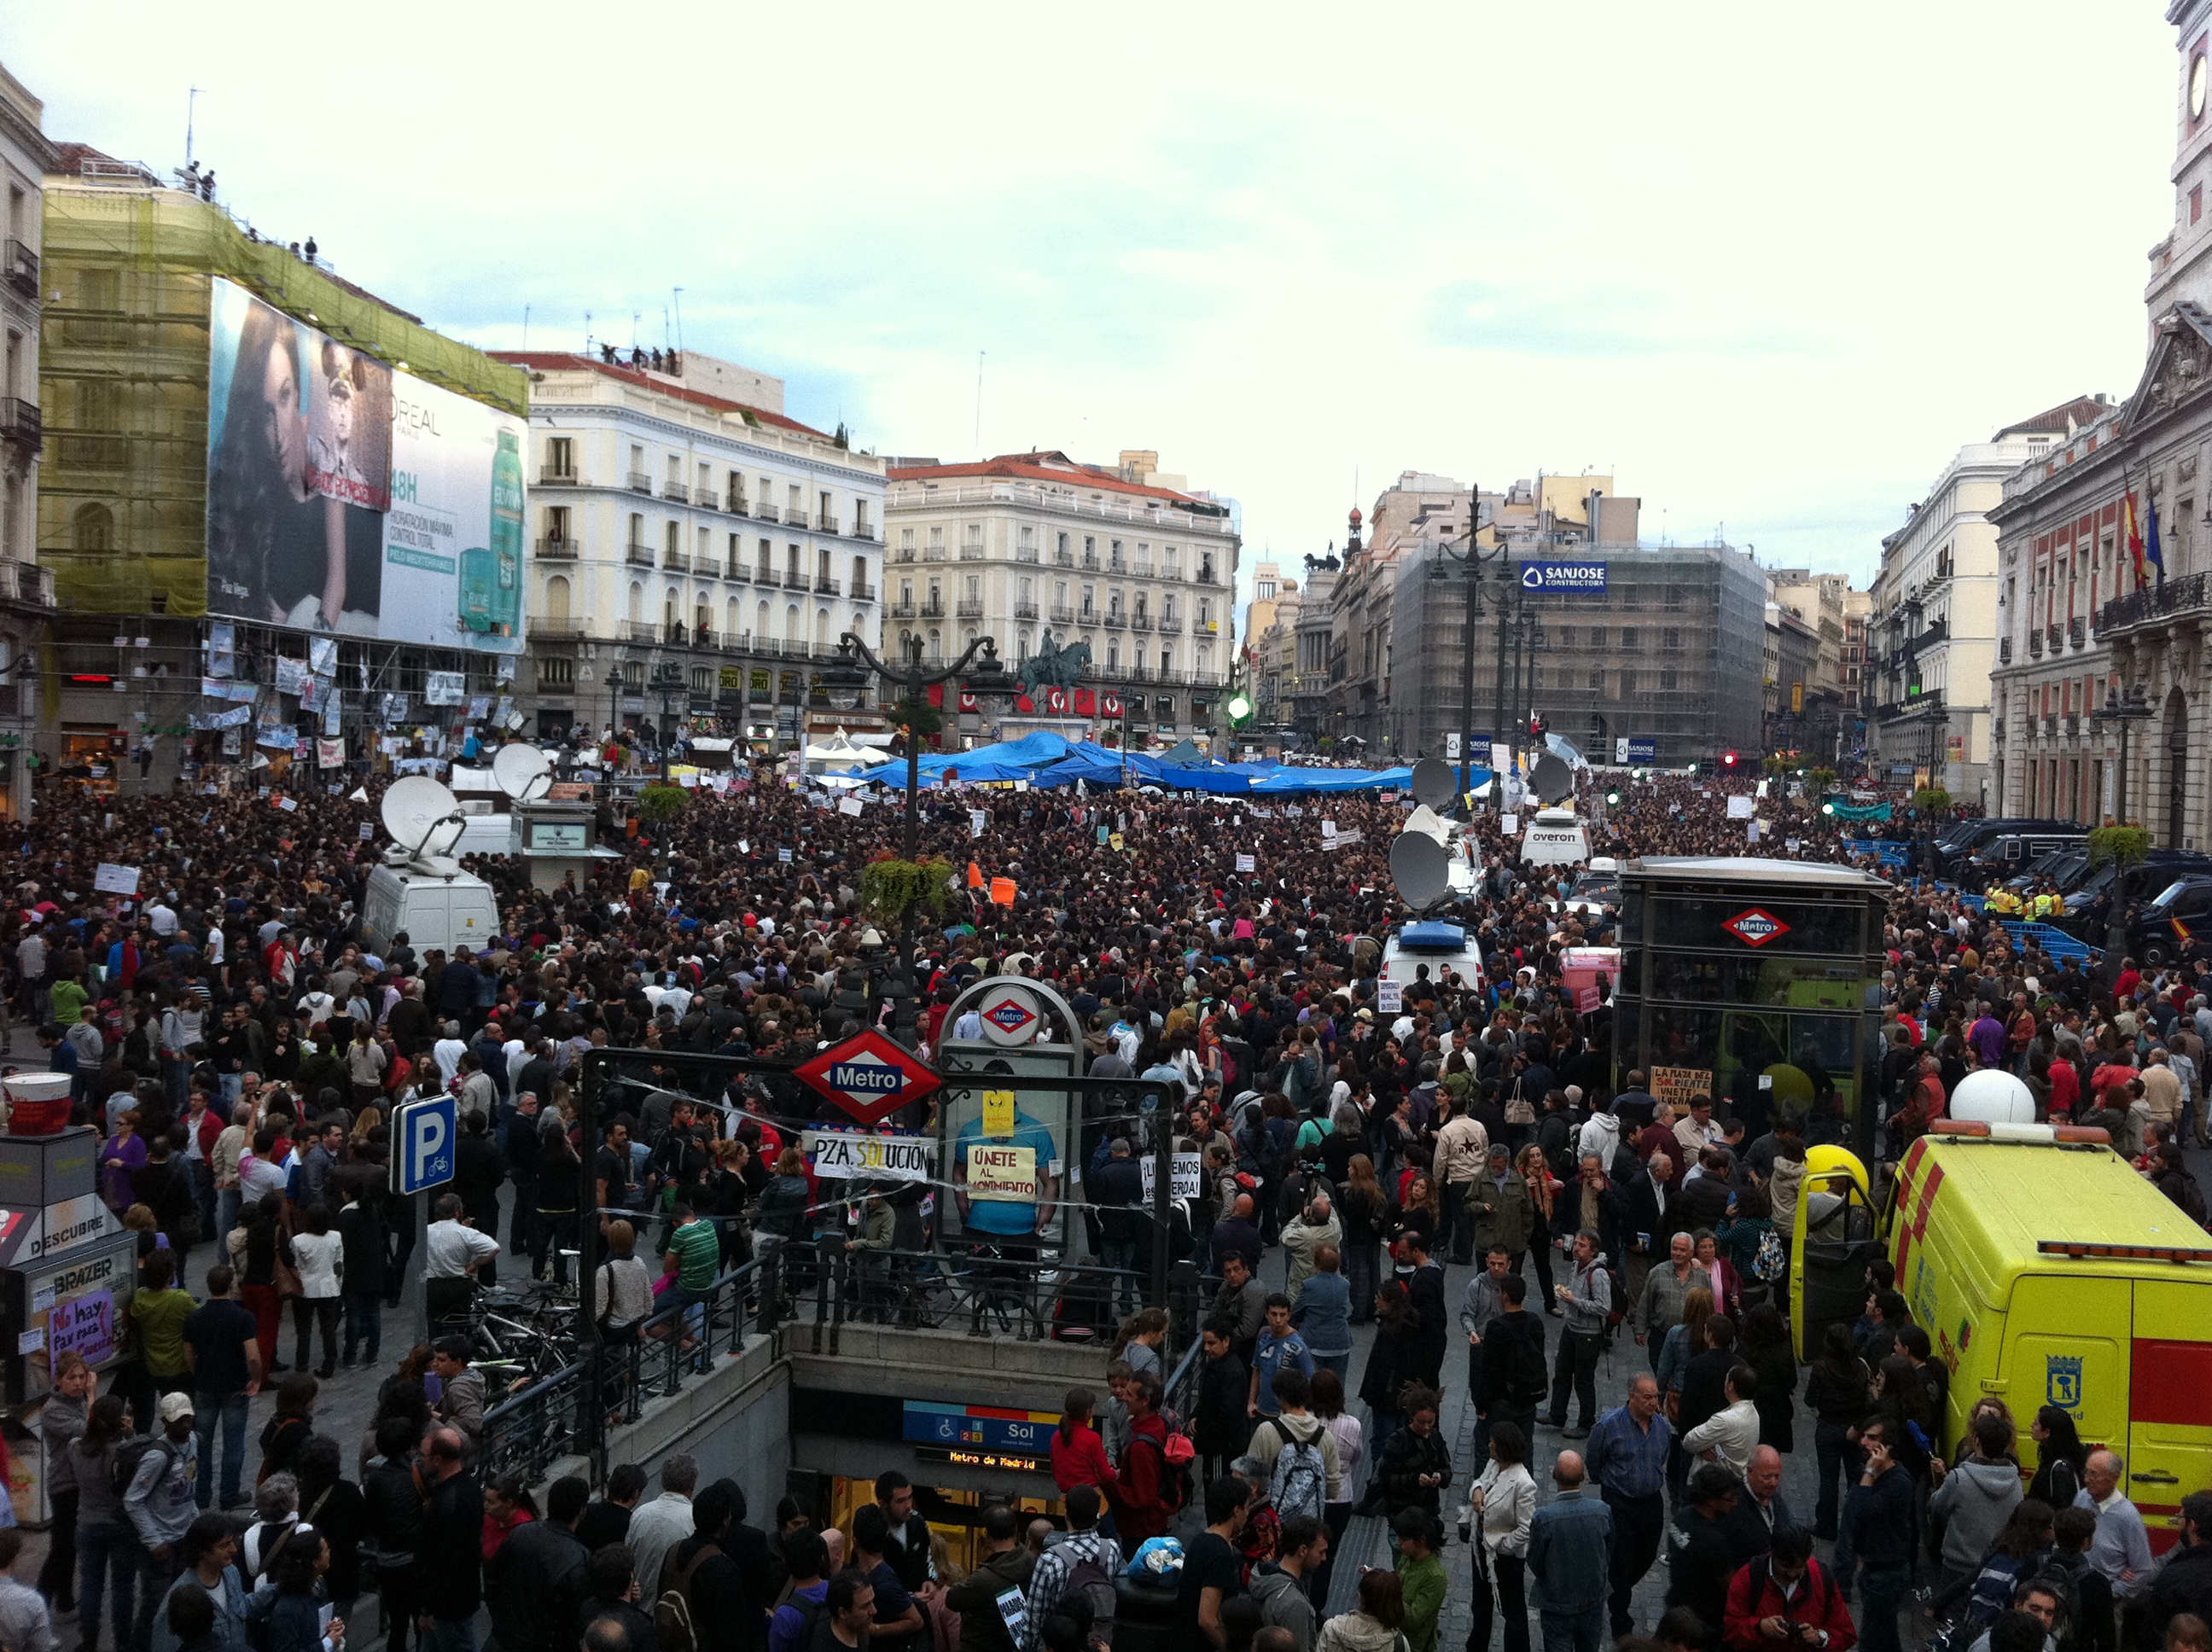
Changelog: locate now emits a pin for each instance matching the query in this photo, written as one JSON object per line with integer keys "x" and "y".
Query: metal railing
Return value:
{"x": 706, "y": 500}
{"x": 559, "y": 625}
{"x": 825, "y": 524}
{"x": 971, "y": 1289}
{"x": 559, "y": 550}
{"x": 826, "y": 585}
{"x": 2192, "y": 593}
{"x": 640, "y": 482}
{"x": 765, "y": 511}
{"x": 1025, "y": 554}
{"x": 864, "y": 531}
{"x": 1114, "y": 621}
{"x": 21, "y": 267}
{"x": 20, "y": 421}
{"x": 26, "y": 582}
{"x": 676, "y": 562}
{"x": 638, "y": 555}
{"x": 970, "y": 608}
{"x": 2004, "y": 651}
{"x": 737, "y": 505}
{"x": 903, "y": 608}
{"x": 531, "y": 1431}
{"x": 738, "y": 572}
{"x": 1140, "y": 620}
{"x": 933, "y": 608}
{"x": 1062, "y": 615}
{"x": 675, "y": 491}
{"x": 971, "y": 553}
{"x": 905, "y": 554}
{"x": 1063, "y": 558}
{"x": 933, "y": 553}
{"x": 1170, "y": 622}
{"x": 550, "y": 478}
{"x": 708, "y": 568}
{"x": 1025, "y": 610}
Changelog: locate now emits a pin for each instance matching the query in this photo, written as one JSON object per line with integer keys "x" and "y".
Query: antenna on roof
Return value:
{"x": 192, "y": 102}
{"x": 525, "y": 329}
{"x": 679, "y": 293}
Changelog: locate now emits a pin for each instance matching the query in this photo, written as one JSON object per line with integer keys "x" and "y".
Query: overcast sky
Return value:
{"x": 1769, "y": 266}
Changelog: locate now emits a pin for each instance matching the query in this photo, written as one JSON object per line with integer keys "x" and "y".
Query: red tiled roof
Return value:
{"x": 1048, "y": 466}
{"x": 2067, "y": 416}
{"x": 568, "y": 362}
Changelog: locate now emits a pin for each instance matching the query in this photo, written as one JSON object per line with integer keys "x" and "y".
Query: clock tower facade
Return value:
{"x": 2181, "y": 265}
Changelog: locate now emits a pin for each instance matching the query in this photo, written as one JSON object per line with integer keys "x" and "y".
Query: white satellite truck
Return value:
{"x": 419, "y": 889}
{"x": 1553, "y": 836}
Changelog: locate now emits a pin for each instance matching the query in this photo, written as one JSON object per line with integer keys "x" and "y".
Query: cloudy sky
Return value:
{"x": 1770, "y": 266}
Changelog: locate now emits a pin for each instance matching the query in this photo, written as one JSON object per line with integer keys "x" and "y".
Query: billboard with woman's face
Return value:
{"x": 305, "y": 460}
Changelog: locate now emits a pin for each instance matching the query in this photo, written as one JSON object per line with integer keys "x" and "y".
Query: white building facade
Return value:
{"x": 1029, "y": 545}
{"x": 1933, "y": 642}
{"x": 673, "y": 526}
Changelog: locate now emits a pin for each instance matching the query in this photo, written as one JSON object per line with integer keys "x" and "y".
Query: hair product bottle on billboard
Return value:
{"x": 491, "y": 579}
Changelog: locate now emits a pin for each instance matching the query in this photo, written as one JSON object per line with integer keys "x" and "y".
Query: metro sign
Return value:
{"x": 1755, "y": 928}
{"x": 1011, "y": 1017}
{"x": 870, "y": 1076}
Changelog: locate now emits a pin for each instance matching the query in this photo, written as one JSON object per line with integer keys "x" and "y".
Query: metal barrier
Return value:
{"x": 2057, "y": 942}
{"x": 979, "y": 1290}
{"x": 551, "y": 1419}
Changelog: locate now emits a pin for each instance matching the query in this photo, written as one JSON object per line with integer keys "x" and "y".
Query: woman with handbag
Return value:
{"x": 319, "y": 1256}
{"x": 1504, "y": 1502}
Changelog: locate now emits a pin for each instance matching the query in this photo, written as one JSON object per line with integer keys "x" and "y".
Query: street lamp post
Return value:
{"x": 667, "y": 683}
{"x": 2126, "y": 708}
{"x": 846, "y": 680}
{"x": 1473, "y": 561}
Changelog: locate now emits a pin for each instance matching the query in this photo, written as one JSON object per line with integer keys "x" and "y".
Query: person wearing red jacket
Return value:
{"x": 1079, "y": 1455}
{"x": 1138, "y": 1494}
{"x": 1782, "y": 1601}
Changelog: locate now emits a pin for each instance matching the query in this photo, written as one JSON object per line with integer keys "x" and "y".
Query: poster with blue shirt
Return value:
{"x": 1004, "y": 1176}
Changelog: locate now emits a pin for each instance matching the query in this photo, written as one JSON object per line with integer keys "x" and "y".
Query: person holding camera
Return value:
{"x": 1784, "y": 1598}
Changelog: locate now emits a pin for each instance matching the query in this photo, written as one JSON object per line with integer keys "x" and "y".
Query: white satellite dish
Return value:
{"x": 524, "y": 772}
{"x": 421, "y": 816}
{"x": 1434, "y": 782}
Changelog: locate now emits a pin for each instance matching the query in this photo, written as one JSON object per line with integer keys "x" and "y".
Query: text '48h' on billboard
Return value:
{"x": 345, "y": 496}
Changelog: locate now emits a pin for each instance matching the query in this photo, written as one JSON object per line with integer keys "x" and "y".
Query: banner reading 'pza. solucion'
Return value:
{"x": 345, "y": 497}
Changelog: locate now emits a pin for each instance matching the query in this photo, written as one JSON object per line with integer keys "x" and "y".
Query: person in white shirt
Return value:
{"x": 1730, "y": 1435}
{"x": 447, "y": 1053}
{"x": 162, "y": 916}
{"x": 452, "y": 1251}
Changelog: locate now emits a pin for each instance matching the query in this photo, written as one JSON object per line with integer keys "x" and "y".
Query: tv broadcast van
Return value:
{"x": 2047, "y": 1271}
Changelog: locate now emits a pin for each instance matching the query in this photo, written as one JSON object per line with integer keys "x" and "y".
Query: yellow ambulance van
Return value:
{"x": 2047, "y": 1271}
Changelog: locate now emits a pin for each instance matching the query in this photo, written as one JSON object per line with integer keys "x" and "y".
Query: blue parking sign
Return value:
{"x": 422, "y": 1144}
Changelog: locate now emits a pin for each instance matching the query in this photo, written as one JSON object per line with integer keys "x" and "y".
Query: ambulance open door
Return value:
{"x": 1834, "y": 1237}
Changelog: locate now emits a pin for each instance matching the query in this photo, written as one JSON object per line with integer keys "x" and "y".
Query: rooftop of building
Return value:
{"x": 2062, "y": 420}
{"x": 660, "y": 383}
{"x": 1051, "y": 466}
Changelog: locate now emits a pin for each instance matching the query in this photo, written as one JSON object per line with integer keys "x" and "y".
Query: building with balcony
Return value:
{"x": 1026, "y": 546}
{"x": 1939, "y": 609}
{"x": 680, "y": 517}
{"x": 26, "y": 589}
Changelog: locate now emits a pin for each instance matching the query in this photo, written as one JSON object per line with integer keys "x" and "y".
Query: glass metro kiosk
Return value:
{"x": 1758, "y": 982}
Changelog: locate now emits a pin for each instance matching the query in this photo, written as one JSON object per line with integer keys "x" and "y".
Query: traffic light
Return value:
{"x": 1728, "y": 761}
{"x": 1613, "y": 797}
{"x": 1240, "y": 710}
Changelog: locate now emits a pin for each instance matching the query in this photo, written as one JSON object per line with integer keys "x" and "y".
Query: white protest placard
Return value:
{"x": 1741, "y": 808}
{"x": 848, "y": 806}
{"x": 1390, "y": 997}
{"x": 1501, "y": 757}
{"x": 1247, "y": 863}
{"x": 976, "y": 819}
{"x": 1791, "y": 844}
{"x": 839, "y": 1154}
{"x": 1751, "y": 832}
{"x": 1510, "y": 824}
{"x": 367, "y": 831}
{"x": 1183, "y": 1176}
{"x": 111, "y": 879}
{"x": 1329, "y": 829}
{"x": 783, "y": 856}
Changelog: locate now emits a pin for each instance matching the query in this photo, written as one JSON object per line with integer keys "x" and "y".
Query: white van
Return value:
{"x": 449, "y": 913}
{"x": 1431, "y": 948}
{"x": 484, "y": 834}
{"x": 1553, "y": 837}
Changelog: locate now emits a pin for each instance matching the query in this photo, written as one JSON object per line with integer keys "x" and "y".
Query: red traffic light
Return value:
{"x": 1728, "y": 760}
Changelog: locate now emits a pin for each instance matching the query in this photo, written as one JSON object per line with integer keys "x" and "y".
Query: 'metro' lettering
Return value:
{"x": 858, "y": 1076}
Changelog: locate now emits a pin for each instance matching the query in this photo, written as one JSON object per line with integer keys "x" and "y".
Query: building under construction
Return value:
{"x": 133, "y": 270}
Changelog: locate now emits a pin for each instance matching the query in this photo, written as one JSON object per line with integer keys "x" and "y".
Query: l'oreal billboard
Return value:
{"x": 345, "y": 497}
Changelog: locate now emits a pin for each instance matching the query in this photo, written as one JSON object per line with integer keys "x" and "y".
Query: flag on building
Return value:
{"x": 2134, "y": 539}
{"x": 2153, "y": 553}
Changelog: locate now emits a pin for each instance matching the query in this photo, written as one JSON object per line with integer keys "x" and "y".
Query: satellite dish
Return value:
{"x": 524, "y": 772}
{"x": 422, "y": 817}
{"x": 1551, "y": 778}
{"x": 1434, "y": 782}
{"x": 1421, "y": 869}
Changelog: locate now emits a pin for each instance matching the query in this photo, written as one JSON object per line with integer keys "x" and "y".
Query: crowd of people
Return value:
{"x": 241, "y": 1051}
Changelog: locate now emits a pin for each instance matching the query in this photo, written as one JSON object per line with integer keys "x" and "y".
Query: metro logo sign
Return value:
{"x": 1011, "y": 1016}
{"x": 870, "y": 1076}
{"x": 1755, "y": 928}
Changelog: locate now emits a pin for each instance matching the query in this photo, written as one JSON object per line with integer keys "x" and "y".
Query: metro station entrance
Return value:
{"x": 1755, "y": 982}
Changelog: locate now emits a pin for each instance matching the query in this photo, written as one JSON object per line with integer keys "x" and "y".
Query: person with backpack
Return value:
{"x": 1785, "y": 1598}
{"x": 1084, "y": 1561}
{"x": 1513, "y": 1376}
{"x": 1304, "y": 1474}
{"x": 108, "y": 1550}
{"x": 1007, "y": 1563}
{"x": 898, "y": 1617}
{"x": 1588, "y": 1299}
{"x": 154, "y": 1474}
{"x": 805, "y": 1602}
{"x": 538, "y": 1576}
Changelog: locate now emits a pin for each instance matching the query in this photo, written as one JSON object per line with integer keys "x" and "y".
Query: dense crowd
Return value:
{"x": 241, "y": 1050}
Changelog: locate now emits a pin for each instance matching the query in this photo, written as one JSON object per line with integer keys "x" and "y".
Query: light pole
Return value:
{"x": 846, "y": 680}
{"x": 667, "y": 683}
{"x": 2126, "y": 707}
{"x": 1473, "y": 561}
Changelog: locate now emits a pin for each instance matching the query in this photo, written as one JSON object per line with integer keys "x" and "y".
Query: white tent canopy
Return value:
{"x": 840, "y": 750}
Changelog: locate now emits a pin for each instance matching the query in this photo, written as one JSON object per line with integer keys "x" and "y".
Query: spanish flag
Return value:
{"x": 2134, "y": 541}
{"x": 2181, "y": 931}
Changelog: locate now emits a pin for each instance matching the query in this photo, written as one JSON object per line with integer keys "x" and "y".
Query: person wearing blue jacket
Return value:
{"x": 1570, "y": 1551}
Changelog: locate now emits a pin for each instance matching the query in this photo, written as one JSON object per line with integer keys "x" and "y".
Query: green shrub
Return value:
{"x": 657, "y": 803}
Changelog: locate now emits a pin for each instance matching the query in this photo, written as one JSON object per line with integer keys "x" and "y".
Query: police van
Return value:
{"x": 2047, "y": 1272}
{"x": 1425, "y": 951}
